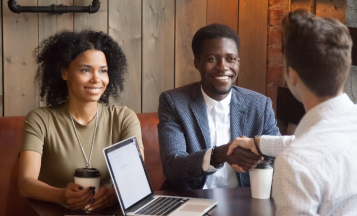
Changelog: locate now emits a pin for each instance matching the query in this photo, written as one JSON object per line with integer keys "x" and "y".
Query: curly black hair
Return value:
{"x": 58, "y": 51}
{"x": 213, "y": 31}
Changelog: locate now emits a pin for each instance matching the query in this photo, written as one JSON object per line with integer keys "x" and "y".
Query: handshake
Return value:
{"x": 241, "y": 154}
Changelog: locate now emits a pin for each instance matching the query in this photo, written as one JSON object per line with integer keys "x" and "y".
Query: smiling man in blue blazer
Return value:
{"x": 197, "y": 121}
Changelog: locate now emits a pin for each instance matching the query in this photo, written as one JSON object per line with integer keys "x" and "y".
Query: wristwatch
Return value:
{"x": 213, "y": 163}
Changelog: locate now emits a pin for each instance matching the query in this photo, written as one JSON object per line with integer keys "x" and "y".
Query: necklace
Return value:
{"x": 88, "y": 165}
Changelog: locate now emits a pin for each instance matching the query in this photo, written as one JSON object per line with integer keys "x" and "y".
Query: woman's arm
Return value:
{"x": 75, "y": 196}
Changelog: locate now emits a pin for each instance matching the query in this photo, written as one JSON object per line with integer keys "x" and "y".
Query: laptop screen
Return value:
{"x": 128, "y": 173}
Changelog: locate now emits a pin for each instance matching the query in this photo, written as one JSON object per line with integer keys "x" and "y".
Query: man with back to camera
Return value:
{"x": 315, "y": 173}
{"x": 198, "y": 120}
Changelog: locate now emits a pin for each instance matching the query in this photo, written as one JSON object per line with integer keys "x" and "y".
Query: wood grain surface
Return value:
{"x": 190, "y": 16}
{"x": 158, "y": 57}
{"x": 50, "y": 24}
{"x": 20, "y": 36}
{"x": 155, "y": 35}
{"x": 253, "y": 19}
{"x": 125, "y": 28}
{"x": 97, "y": 21}
{"x": 226, "y": 13}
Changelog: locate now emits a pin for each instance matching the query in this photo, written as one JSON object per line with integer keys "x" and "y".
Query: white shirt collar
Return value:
{"x": 324, "y": 110}
{"x": 210, "y": 103}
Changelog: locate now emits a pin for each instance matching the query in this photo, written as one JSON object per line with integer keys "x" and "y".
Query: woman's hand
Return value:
{"x": 77, "y": 197}
{"x": 104, "y": 198}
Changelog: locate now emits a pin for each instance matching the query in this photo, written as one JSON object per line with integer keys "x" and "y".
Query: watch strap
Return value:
{"x": 213, "y": 162}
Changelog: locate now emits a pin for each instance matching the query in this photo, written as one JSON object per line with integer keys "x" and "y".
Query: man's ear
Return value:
{"x": 196, "y": 62}
{"x": 293, "y": 76}
{"x": 64, "y": 74}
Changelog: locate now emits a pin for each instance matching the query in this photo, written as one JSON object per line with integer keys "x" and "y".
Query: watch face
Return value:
{"x": 219, "y": 165}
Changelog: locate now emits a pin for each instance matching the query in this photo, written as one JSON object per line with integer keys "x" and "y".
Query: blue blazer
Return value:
{"x": 184, "y": 134}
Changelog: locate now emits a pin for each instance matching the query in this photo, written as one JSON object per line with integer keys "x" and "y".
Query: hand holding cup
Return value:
{"x": 75, "y": 196}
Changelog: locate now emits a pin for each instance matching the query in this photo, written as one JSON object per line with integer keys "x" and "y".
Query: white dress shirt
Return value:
{"x": 316, "y": 173}
{"x": 218, "y": 113}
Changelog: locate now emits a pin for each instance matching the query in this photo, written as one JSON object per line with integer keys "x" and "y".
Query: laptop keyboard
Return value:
{"x": 162, "y": 206}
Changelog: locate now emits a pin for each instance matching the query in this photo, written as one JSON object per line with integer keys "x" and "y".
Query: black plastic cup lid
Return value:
{"x": 265, "y": 164}
{"x": 87, "y": 173}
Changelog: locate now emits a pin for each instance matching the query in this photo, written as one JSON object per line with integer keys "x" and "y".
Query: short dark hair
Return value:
{"x": 58, "y": 51}
{"x": 212, "y": 31}
{"x": 319, "y": 49}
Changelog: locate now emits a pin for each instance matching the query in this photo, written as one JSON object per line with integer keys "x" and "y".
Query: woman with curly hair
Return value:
{"x": 78, "y": 72}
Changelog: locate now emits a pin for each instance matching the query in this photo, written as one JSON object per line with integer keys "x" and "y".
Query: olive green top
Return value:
{"x": 49, "y": 131}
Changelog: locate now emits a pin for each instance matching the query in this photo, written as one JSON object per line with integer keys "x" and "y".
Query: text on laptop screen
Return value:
{"x": 129, "y": 174}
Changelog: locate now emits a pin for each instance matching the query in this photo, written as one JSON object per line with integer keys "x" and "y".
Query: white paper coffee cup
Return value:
{"x": 87, "y": 177}
{"x": 261, "y": 179}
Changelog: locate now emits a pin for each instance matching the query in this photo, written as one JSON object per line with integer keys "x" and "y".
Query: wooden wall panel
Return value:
{"x": 1, "y": 68}
{"x": 50, "y": 24}
{"x": 158, "y": 51}
{"x": 253, "y": 19}
{"x": 20, "y": 34}
{"x": 225, "y": 13}
{"x": 190, "y": 16}
{"x": 164, "y": 59}
{"x": 97, "y": 21}
{"x": 125, "y": 28}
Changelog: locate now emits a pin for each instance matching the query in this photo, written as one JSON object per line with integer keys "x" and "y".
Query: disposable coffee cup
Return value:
{"x": 87, "y": 177}
{"x": 260, "y": 180}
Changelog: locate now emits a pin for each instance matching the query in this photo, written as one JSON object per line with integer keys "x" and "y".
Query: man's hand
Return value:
{"x": 220, "y": 154}
{"x": 250, "y": 155}
{"x": 241, "y": 159}
{"x": 244, "y": 158}
{"x": 245, "y": 142}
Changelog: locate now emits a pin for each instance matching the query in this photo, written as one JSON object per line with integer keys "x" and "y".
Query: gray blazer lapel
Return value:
{"x": 198, "y": 108}
{"x": 238, "y": 114}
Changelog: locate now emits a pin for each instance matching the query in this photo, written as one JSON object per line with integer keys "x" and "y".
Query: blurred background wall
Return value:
{"x": 156, "y": 38}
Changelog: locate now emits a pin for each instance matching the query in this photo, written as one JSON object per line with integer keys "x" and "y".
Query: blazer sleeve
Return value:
{"x": 270, "y": 127}
{"x": 177, "y": 163}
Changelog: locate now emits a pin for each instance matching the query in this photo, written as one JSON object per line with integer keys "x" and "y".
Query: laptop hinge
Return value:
{"x": 140, "y": 203}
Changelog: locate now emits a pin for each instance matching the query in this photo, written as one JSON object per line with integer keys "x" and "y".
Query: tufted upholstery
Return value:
{"x": 10, "y": 137}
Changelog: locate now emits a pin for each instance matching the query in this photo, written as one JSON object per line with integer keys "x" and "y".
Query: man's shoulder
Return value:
{"x": 250, "y": 99}
{"x": 183, "y": 90}
{"x": 248, "y": 94}
{"x": 183, "y": 95}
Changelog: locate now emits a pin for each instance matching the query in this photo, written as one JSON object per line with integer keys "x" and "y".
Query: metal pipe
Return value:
{"x": 59, "y": 9}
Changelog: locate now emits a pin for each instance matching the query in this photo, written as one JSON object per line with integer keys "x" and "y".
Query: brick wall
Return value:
{"x": 275, "y": 62}
{"x": 277, "y": 11}
{"x": 351, "y": 21}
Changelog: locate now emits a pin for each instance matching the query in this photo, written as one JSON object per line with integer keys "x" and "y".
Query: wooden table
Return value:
{"x": 234, "y": 201}
{"x": 231, "y": 201}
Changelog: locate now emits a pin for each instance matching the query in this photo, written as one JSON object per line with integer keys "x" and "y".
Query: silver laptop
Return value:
{"x": 133, "y": 188}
